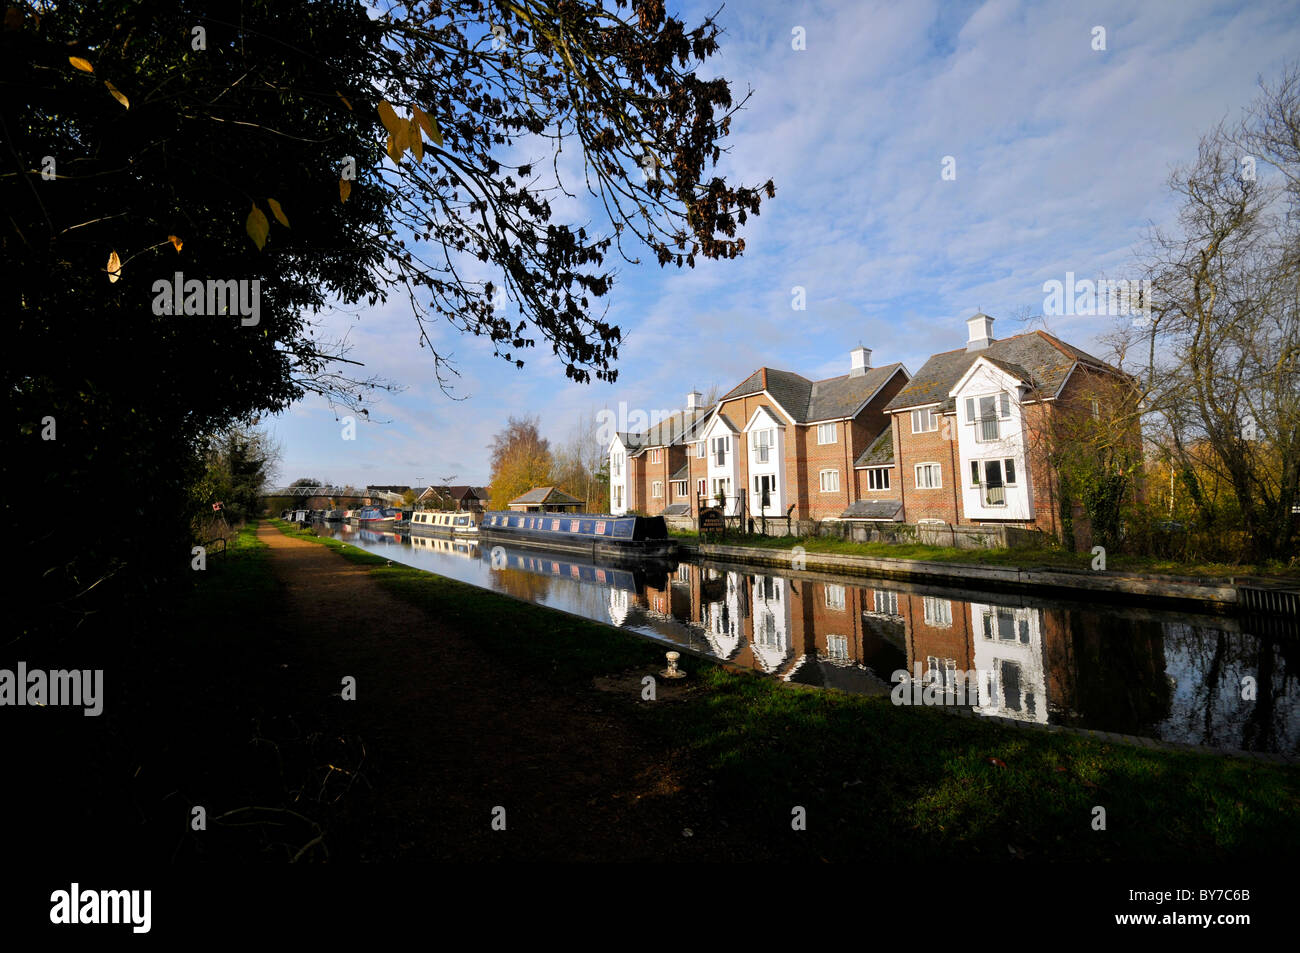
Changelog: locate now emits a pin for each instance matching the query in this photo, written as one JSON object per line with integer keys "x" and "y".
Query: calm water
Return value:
{"x": 1157, "y": 674}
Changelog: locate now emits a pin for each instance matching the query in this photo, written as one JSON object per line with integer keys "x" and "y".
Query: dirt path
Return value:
{"x": 447, "y": 739}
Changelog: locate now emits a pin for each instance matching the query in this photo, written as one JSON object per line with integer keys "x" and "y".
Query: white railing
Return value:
{"x": 986, "y": 429}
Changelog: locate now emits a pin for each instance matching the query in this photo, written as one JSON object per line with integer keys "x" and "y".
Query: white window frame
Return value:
{"x": 875, "y": 484}
{"x": 701, "y": 451}
{"x": 618, "y": 464}
{"x": 834, "y": 596}
{"x": 888, "y": 597}
{"x": 938, "y": 476}
{"x": 764, "y": 442}
{"x": 721, "y": 446}
{"x": 654, "y": 456}
{"x": 657, "y": 490}
{"x": 702, "y": 486}
{"x": 837, "y": 647}
{"x": 821, "y": 481}
{"x": 827, "y": 433}
{"x": 929, "y": 423}
{"x": 938, "y": 612}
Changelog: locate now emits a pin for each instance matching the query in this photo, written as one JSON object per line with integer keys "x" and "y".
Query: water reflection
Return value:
{"x": 1115, "y": 669}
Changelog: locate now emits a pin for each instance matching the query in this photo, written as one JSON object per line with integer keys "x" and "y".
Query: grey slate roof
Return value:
{"x": 1036, "y": 357}
{"x": 683, "y": 474}
{"x": 874, "y": 510}
{"x": 809, "y": 401}
{"x": 678, "y": 427}
{"x": 677, "y": 509}
{"x": 880, "y": 452}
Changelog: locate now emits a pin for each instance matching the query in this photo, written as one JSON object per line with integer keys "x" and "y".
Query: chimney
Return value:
{"x": 694, "y": 400}
{"x": 980, "y": 332}
{"x": 859, "y": 361}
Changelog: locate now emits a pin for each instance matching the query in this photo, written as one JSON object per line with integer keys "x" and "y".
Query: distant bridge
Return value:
{"x": 306, "y": 492}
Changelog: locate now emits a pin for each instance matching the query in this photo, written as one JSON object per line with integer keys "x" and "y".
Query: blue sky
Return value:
{"x": 1062, "y": 155}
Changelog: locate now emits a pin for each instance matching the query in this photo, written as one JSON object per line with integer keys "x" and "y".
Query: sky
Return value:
{"x": 1061, "y": 154}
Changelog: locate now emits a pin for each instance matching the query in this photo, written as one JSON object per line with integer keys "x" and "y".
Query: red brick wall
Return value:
{"x": 938, "y": 446}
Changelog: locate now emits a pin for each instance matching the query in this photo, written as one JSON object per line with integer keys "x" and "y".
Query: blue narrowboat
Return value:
{"x": 374, "y": 517}
{"x": 595, "y": 534}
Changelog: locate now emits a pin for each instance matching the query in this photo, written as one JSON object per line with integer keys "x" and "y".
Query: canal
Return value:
{"x": 1206, "y": 680}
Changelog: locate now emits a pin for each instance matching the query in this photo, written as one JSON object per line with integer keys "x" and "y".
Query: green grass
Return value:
{"x": 875, "y": 777}
{"x": 1015, "y": 557}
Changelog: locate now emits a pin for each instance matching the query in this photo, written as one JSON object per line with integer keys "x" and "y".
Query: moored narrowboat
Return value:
{"x": 445, "y": 522}
{"x": 376, "y": 517}
{"x": 592, "y": 533}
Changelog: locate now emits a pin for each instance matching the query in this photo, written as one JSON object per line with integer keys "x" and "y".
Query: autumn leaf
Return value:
{"x": 345, "y": 100}
{"x": 388, "y": 116}
{"x": 81, "y": 64}
{"x": 117, "y": 94}
{"x": 345, "y": 189}
{"x": 277, "y": 212}
{"x": 257, "y": 227}
{"x": 413, "y": 137}
{"x": 428, "y": 125}
{"x": 114, "y": 267}
{"x": 176, "y": 241}
{"x": 997, "y": 762}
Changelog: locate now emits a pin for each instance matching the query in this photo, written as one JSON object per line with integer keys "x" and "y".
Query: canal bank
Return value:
{"x": 1180, "y": 592}
{"x": 734, "y": 753}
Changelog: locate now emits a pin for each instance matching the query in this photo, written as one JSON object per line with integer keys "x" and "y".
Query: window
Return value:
{"x": 941, "y": 672}
{"x": 834, "y": 597}
{"x": 654, "y": 456}
{"x": 1096, "y": 410}
{"x": 720, "y": 450}
{"x": 826, "y": 433}
{"x": 722, "y": 486}
{"x": 764, "y": 489}
{"x": 679, "y": 488}
{"x": 657, "y": 489}
{"x": 924, "y": 421}
{"x": 618, "y": 464}
{"x": 994, "y": 476}
{"x": 886, "y": 602}
{"x": 938, "y": 612}
{"x": 699, "y": 484}
{"x": 618, "y": 497}
{"x": 928, "y": 476}
{"x": 764, "y": 441}
{"x": 830, "y": 481}
{"x": 837, "y": 648}
{"x": 700, "y": 450}
{"x": 878, "y": 478}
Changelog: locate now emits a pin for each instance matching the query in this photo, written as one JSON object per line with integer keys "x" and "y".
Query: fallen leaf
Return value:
{"x": 277, "y": 212}
{"x": 176, "y": 241}
{"x": 997, "y": 762}
{"x": 345, "y": 189}
{"x": 257, "y": 227}
{"x": 114, "y": 267}
{"x": 117, "y": 94}
{"x": 81, "y": 64}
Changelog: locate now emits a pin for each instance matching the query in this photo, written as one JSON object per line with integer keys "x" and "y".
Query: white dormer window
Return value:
{"x": 925, "y": 421}
{"x": 764, "y": 440}
{"x": 826, "y": 433}
{"x": 618, "y": 464}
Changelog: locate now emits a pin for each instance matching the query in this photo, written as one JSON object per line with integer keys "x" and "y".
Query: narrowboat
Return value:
{"x": 595, "y": 534}
{"x": 333, "y": 516}
{"x": 444, "y": 522}
{"x": 605, "y": 572}
{"x": 376, "y": 517}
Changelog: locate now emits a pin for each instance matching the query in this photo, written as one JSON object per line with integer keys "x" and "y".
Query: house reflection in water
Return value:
{"x": 854, "y": 638}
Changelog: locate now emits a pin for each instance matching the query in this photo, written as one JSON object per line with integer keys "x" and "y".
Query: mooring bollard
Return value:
{"x": 672, "y": 671}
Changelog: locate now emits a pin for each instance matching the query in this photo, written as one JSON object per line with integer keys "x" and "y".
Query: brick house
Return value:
{"x": 969, "y": 429}
{"x": 776, "y": 442}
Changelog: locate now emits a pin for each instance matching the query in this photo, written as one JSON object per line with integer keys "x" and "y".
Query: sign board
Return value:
{"x": 711, "y": 521}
